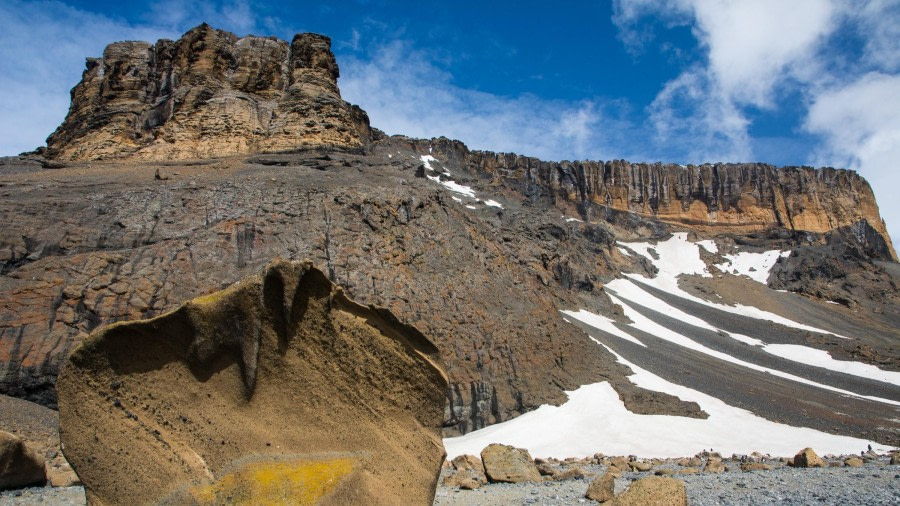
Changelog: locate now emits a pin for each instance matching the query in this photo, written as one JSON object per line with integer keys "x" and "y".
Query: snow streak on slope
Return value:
{"x": 677, "y": 257}
{"x": 454, "y": 186}
{"x": 595, "y": 420}
{"x": 647, "y": 325}
{"x": 755, "y": 266}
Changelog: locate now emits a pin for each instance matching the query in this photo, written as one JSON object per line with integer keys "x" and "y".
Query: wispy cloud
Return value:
{"x": 43, "y": 46}
{"x": 755, "y": 53}
{"x": 405, "y": 91}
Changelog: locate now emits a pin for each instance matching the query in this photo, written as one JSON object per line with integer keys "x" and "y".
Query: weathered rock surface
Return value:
{"x": 653, "y": 491}
{"x": 503, "y": 463}
{"x": 808, "y": 458}
{"x": 276, "y": 386}
{"x": 88, "y": 246}
{"x": 208, "y": 94}
{"x": 725, "y": 198}
{"x": 20, "y": 466}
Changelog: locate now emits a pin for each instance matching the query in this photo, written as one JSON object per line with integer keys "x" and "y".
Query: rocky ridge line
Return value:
{"x": 208, "y": 94}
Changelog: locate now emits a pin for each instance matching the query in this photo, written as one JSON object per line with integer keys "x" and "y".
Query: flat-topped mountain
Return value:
{"x": 208, "y": 94}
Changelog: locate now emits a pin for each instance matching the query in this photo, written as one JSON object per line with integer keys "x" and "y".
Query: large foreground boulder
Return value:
{"x": 276, "y": 389}
{"x": 19, "y": 465}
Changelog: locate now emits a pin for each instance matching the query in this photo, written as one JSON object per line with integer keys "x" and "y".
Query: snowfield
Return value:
{"x": 594, "y": 419}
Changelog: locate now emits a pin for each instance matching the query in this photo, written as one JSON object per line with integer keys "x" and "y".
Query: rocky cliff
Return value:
{"x": 735, "y": 198}
{"x": 207, "y": 94}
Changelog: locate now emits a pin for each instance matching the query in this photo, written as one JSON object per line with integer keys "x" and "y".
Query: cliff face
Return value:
{"x": 208, "y": 94}
{"x": 736, "y": 198}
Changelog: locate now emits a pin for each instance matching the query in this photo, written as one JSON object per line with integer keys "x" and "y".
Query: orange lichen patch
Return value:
{"x": 280, "y": 482}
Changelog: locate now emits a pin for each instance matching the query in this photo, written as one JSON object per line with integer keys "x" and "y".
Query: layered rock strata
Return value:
{"x": 276, "y": 387}
{"x": 208, "y": 94}
{"x": 735, "y": 198}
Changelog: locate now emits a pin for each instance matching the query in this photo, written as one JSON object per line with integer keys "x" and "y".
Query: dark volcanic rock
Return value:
{"x": 278, "y": 386}
{"x": 121, "y": 245}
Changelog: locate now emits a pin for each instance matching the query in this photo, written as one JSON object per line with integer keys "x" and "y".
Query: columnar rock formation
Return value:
{"x": 737, "y": 198}
{"x": 208, "y": 94}
{"x": 276, "y": 387}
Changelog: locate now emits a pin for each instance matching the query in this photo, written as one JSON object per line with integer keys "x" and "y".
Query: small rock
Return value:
{"x": 602, "y": 488}
{"x": 895, "y": 459}
{"x": 576, "y": 473}
{"x": 853, "y": 462}
{"x": 755, "y": 466}
{"x": 714, "y": 466}
{"x": 640, "y": 466}
{"x": 503, "y": 463}
{"x": 808, "y": 458}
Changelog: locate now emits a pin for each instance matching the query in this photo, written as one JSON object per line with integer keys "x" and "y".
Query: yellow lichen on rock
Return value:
{"x": 300, "y": 482}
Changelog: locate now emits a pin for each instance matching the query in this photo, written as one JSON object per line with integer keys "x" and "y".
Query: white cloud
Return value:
{"x": 43, "y": 46}
{"x": 694, "y": 118}
{"x": 406, "y": 92}
{"x": 755, "y": 52}
{"x": 861, "y": 126}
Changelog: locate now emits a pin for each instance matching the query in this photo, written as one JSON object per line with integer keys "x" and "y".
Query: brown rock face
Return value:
{"x": 277, "y": 385}
{"x": 208, "y": 94}
{"x": 19, "y": 465}
{"x": 732, "y": 198}
{"x": 503, "y": 463}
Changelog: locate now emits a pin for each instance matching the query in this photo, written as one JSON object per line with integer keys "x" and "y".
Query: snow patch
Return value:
{"x": 493, "y": 203}
{"x": 755, "y": 266}
{"x": 595, "y": 420}
{"x": 821, "y": 358}
{"x": 709, "y": 245}
{"x": 644, "y": 324}
{"x": 427, "y": 159}
{"x": 602, "y": 323}
{"x": 624, "y": 251}
{"x": 678, "y": 256}
{"x": 454, "y": 186}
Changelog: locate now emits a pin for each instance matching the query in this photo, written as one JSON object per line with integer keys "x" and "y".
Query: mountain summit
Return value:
{"x": 208, "y": 94}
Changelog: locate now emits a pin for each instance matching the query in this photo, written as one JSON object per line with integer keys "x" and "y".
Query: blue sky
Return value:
{"x": 805, "y": 82}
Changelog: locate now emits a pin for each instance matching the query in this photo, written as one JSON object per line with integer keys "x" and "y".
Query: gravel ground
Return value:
{"x": 48, "y": 496}
{"x": 876, "y": 483}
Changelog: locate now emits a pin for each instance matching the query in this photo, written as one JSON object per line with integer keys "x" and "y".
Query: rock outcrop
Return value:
{"x": 208, "y": 94}
{"x": 278, "y": 386}
{"x": 736, "y": 198}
